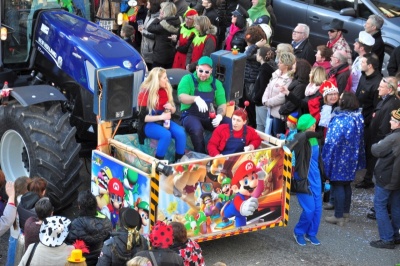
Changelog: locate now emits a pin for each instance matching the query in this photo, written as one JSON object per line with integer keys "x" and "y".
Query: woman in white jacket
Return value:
{"x": 273, "y": 98}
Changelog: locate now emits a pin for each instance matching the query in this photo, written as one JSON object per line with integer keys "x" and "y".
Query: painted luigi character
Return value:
{"x": 143, "y": 209}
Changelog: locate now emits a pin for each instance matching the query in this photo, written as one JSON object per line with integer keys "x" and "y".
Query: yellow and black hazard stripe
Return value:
{"x": 287, "y": 176}
{"x": 154, "y": 192}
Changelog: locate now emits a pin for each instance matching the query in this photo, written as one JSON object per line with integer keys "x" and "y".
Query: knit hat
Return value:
{"x": 327, "y": 87}
{"x": 396, "y": 114}
{"x": 54, "y": 230}
{"x": 205, "y": 60}
{"x": 161, "y": 235}
{"x": 190, "y": 12}
{"x": 293, "y": 117}
{"x": 305, "y": 122}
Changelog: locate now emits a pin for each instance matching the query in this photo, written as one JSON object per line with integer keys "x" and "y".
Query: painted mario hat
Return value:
{"x": 247, "y": 167}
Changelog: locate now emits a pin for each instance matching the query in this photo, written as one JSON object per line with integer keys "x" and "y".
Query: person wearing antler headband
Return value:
{"x": 234, "y": 137}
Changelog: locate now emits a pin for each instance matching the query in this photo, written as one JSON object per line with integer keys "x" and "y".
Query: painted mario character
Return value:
{"x": 116, "y": 191}
{"x": 248, "y": 185}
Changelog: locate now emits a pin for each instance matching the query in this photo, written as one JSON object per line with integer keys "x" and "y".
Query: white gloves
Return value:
{"x": 249, "y": 206}
{"x": 215, "y": 122}
{"x": 203, "y": 107}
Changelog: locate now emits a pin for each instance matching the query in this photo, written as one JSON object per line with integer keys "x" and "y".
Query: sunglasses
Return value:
{"x": 205, "y": 71}
{"x": 332, "y": 31}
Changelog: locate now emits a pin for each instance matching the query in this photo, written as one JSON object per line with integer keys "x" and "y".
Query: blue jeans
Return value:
{"x": 164, "y": 136}
{"x": 342, "y": 198}
{"x": 278, "y": 126}
{"x": 388, "y": 229}
{"x": 12, "y": 248}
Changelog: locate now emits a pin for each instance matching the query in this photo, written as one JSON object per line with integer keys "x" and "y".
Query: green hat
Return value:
{"x": 226, "y": 181}
{"x": 205, "y": 60}
{"x": 305, "y": 122}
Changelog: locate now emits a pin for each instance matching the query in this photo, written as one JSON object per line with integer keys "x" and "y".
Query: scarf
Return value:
{"x": 330, "y": 44}
{"x": 311, "y": 89}
{"x": 232, "y": 31}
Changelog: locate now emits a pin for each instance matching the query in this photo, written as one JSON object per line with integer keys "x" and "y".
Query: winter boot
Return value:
{"x": 334, "y": 220}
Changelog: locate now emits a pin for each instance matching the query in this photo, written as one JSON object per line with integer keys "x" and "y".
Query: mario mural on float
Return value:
{"x": 247, "y": 184}
{"x": 122, "y": 186}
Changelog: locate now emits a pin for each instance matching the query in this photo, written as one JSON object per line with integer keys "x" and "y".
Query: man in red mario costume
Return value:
{"x": 247, "y": 184}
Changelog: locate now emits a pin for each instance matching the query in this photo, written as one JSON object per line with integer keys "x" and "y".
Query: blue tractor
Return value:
{"x": 49, "y": 58}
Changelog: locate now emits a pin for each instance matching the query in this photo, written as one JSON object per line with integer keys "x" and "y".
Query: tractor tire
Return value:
{"x": 38, "y": 140}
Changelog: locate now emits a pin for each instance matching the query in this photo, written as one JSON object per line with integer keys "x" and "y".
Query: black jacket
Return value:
{"x": 212, "y": 15}
{"x": 368, "y": 94}
{"x": 114, "y": 250}
{"x": 305, "y": 51}
{"x": 93, "y": 231}
{"x": 261, "y": 82}
{"x": 252, "y": 67}
{"x": 297, "y": 88}
{"x": 380, "y": 125}
{"x": 26, "y": 208}
{"x": 387, "y": 168}
{"x": 379, "y": 48}
{"x": 341, "y": 75}
{"x": 238, "y": 40}
{"x": 164, "y": 48}
{"x": 302, "y": 151}
{"x": 394, "y": 62}
{"x": 164, "y": 257}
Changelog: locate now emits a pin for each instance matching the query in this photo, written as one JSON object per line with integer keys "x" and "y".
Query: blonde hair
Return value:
{"x": 288, "y": 59}
{"x": 138, "y": 261}
{"x": 283, "y": 47}
{"x": 204, "y": 24}
{"x": 151, "y": 85}
{"x": 317, "y": 75}
{"x": 169, "y": 9}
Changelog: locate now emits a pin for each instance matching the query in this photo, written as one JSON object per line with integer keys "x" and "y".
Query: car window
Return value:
{"x": 390, "y": 9}
{"x": 334, "y": 4}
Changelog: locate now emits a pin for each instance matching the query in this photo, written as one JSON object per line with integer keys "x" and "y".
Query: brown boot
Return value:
{"x": 346, "y": 217}
{"x": 334, "y": 220}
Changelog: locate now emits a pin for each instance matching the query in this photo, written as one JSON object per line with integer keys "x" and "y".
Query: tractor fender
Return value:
{"x": 34, "y": 94}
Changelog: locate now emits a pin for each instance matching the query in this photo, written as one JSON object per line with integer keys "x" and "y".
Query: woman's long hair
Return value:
{"x": 151, "y": 85}
{"x": 204, "y": 24}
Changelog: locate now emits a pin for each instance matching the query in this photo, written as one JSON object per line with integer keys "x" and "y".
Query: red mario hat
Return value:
{"x": 191, "y": 12}
{"x": 247, "y": 167}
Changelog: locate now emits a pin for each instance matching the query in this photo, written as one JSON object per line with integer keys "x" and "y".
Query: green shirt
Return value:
{"x": 186, "y": 86}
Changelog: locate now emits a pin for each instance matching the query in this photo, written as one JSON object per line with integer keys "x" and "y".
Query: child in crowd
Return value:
{"x": 291, "y": 123}
{"x": 188, "y": 249}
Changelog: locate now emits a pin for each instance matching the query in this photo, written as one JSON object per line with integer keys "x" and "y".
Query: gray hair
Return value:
{"x": 341, "y": 55}
{"x": 377, "y": 21}
{"x": 306, "y": 29}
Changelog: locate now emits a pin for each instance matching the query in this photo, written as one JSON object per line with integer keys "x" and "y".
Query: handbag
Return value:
{"x": 299, "y": 185}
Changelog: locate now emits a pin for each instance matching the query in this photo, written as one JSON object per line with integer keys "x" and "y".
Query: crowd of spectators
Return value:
{"x": 347, "y": 117}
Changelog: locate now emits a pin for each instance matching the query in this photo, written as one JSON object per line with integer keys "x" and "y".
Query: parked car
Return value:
{"x": 354, "y": 13}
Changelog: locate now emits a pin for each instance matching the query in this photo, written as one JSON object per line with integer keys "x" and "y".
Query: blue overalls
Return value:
{"x": 195, "y": 122}
{"x": 234, "y": 145}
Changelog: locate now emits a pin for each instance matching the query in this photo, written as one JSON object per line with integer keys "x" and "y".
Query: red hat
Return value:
{"x": 247, "y": 167}
{"x": 161, "y": 235}
{"x": 191, "y": 12}
{"x": 327, "y": 87}
{"x": 115, "y": 187}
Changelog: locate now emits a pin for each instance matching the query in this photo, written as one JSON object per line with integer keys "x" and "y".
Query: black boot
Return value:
{"x": 178, "y": 157}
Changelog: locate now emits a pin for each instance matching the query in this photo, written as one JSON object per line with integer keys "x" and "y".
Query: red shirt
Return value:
{"x": 162, "y": 98}
{"x": 221, "y": 134}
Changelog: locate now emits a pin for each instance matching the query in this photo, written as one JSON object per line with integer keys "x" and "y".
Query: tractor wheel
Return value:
{"x": 38, "y": 140}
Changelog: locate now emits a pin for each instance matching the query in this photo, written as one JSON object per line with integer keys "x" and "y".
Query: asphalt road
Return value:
{"x": 347, "y": 245}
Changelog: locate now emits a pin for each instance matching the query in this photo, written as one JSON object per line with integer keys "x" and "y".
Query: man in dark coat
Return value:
{"x": 301, "y": 44}
{"x": 394, "y": 62}
{"x": 373, "y": 26}
{"x": 380, "y": 126}
{"x": 387, "y": 190}
{"x": 340, "y": 71}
